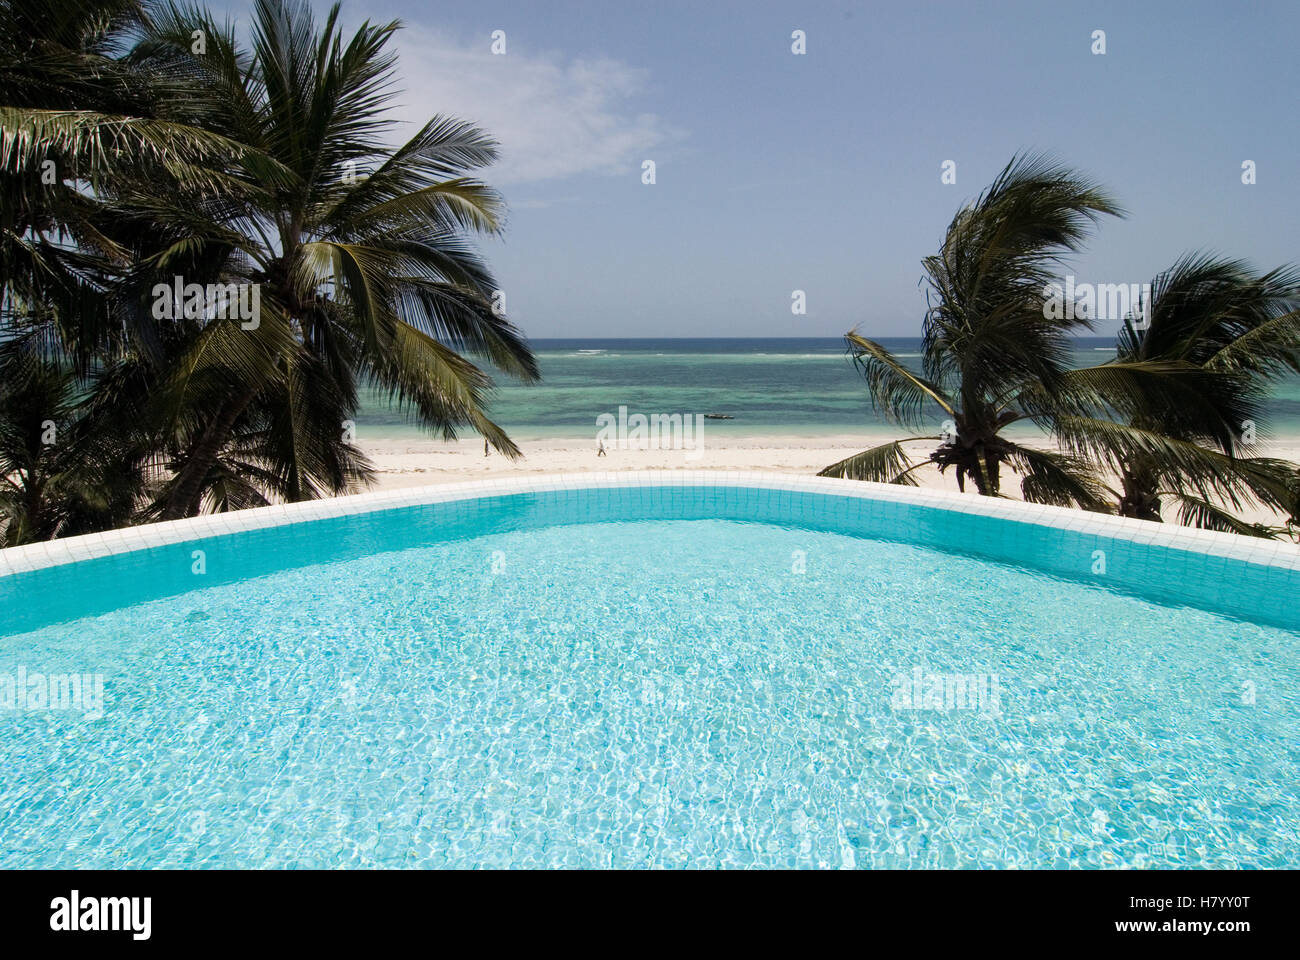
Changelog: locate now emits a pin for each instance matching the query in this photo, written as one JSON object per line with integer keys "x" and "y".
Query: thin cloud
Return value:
{"x": 554, "y": 118}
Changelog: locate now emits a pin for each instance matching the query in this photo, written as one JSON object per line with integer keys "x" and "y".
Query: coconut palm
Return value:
{"x": 1227, "y": 333}
{"x": 68, "y": 464}
{"x": 81, "y": 124}
{"x": 363, "y": 259}
{"x": 83, "y": 129}
{"x": 991, "y": 354}
{"x": 265, "y": 166}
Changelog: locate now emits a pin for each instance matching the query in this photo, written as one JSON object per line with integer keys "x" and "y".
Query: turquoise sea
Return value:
{"x": 772, "y": 387}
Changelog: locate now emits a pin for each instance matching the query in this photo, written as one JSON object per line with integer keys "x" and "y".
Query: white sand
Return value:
{"x": 420, "y": 462}
{"x": 408, "y": 464}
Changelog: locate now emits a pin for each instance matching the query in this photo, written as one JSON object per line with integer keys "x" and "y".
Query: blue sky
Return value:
{"x": 821, "y": 172}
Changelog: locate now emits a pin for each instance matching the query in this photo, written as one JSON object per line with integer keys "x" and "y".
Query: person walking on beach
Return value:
{"x": 485, "y": 447}
{"x": 601, "y": 451}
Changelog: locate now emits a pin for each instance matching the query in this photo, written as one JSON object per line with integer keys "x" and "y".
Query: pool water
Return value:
{"x": 661, "y": 693}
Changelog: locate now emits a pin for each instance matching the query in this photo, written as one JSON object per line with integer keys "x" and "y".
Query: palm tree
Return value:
{"x": 68, "y": 464}
{"x": 84, "y": 129}
{"x": 266, "y": 167}
{"x": 991, "y": 354}
{"x": 362, "y": 258}
{"x": 1226, "y": 333}
{"x": 81, "y": 125}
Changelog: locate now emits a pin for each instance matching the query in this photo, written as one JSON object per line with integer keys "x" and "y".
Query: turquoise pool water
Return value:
{"x": 658, "y": 692}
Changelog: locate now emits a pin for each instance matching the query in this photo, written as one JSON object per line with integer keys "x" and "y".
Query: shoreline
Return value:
{"x": 402, "y": 462}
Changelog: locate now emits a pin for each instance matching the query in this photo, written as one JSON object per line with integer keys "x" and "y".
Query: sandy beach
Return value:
{"x": 409, "y": 463}
{"x": 405, "y": 463}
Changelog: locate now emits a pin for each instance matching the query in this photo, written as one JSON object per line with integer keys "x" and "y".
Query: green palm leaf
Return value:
{"x": 886, "y": 463}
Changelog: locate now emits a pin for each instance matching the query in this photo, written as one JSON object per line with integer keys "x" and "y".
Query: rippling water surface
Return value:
{"x": 656, "y": 694}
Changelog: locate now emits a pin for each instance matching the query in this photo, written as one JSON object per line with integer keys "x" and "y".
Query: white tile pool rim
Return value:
{"x": 52, "y": 553}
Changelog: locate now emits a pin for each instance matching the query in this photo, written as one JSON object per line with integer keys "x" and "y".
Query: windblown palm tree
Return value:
{"x": 1225, "y": 332}
{"x": 991, "y": 355}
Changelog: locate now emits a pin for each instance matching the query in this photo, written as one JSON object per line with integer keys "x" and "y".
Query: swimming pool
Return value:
{"x": 654, "y": 670}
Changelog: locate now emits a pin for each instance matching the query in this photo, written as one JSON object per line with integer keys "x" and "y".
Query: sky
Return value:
{"x": 822, "y": 171}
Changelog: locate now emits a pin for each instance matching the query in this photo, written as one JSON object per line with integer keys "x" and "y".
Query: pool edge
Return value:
{"x": 53, "y": 553}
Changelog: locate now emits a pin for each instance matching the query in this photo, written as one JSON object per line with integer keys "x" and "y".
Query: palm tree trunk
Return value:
{"x": 1140, "y": 499}
{"x": 187, "y": 494}
{"x": 34, "y": 508}
{"x": 993, "y": 472}
{"x": 984, "y": 467}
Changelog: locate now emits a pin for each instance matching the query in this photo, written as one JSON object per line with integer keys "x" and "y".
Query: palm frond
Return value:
{"x": 1183, "y": 399}
{"x": 1058, "y": 479}
{"x": 896, "y": 391}
{"x": 1182, "y": 465}
{"x": 1196, "y": 511}
{"x": 886, "y": 463}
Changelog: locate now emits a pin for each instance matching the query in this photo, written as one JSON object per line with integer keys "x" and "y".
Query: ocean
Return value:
{"x": 786, "y": 387}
